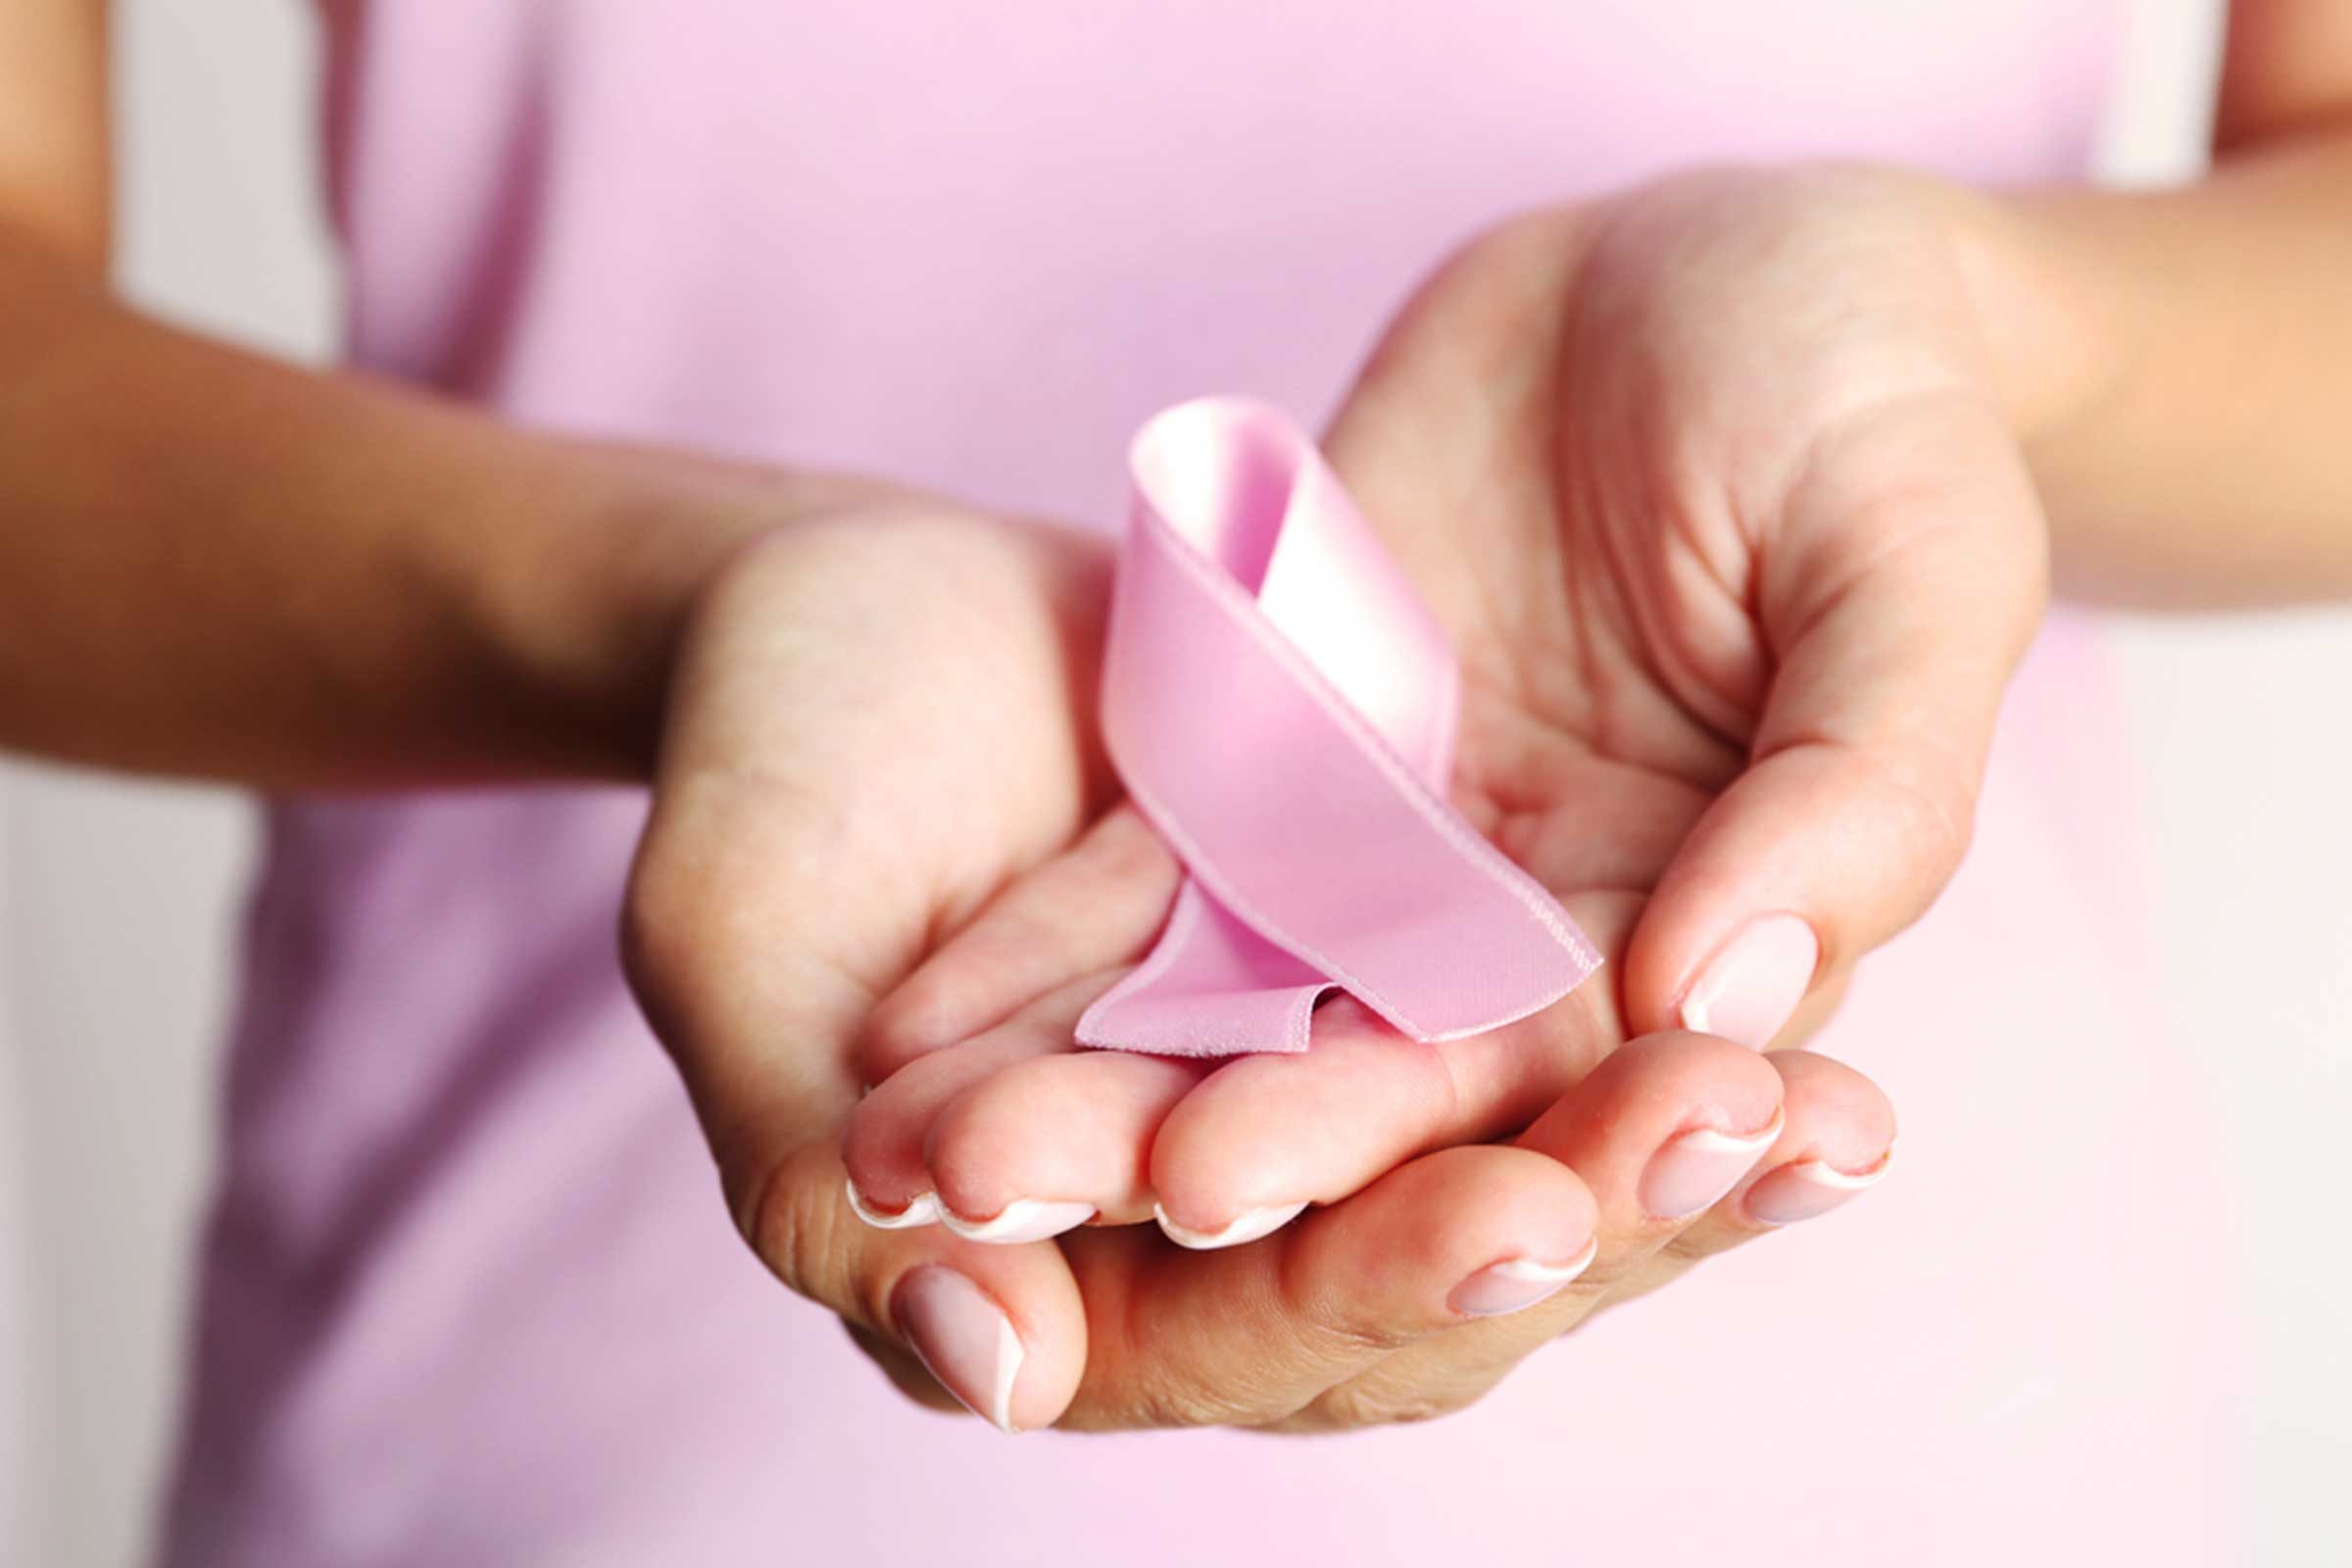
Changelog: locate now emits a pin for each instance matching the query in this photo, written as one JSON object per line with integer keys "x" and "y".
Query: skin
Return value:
{"x": 390, "y": 590}
{"x": 1727, "y": 490}
{"x": 1734, "y": 619}
{"x": 982, "y": 643}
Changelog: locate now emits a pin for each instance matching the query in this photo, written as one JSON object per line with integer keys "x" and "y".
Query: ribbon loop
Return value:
{"x": 1281, "y": 706}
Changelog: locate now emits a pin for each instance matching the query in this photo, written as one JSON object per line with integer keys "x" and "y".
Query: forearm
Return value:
{"x": 212, "y": 564}
{"x": 2181, "y": 365}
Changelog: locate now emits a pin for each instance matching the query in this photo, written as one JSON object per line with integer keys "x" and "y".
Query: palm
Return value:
{"x": 879, "y": 721}
{"x": 933, "y": 658}
{"x": 1637, "y": 485}
{"x": 1673, "y": 513}
{"x": 1591, "y": 742}
{"x": 1747, "y": 496}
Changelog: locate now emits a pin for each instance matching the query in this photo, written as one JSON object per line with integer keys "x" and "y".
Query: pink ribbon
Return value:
{"x": 1281, "y": 707}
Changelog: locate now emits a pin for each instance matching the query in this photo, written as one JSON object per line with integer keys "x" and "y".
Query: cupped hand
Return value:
{"x": 1712, "y": 489}
{"x": 879, "y": 719}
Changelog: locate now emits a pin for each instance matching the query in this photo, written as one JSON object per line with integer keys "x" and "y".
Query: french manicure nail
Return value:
{"x": 1024, "y": 1219}
{"x": 1699, "y": 1166}
{"x": 1249, "y": 1227}
{"x": 1750, "y": 988}
{"x": 1805, "y": 1189}
{"x": 1516, "y": 1283}
{"x": 921, "y": 1209}
{"x": 964, "y": 1339}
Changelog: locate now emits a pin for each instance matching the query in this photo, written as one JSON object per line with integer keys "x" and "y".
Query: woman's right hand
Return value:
{"x": 882, "y": 716}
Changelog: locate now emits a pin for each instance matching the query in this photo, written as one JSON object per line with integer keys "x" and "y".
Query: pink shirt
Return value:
{"x": 469, "y": 1295}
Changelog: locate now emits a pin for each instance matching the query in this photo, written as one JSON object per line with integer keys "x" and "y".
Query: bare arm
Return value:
{"x": 2182, "y": 361}
{"x": 215, "y": 564}
{"x": 54, "y": 183}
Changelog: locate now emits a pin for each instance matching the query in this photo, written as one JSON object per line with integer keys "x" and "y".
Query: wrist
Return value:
{"x": 579, "y": 609}
{"x": 2055, "y": 344}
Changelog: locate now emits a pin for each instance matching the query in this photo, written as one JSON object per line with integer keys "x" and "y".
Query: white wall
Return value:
{"x": 2243, "y": 726}
{"x": 116, "y": 899}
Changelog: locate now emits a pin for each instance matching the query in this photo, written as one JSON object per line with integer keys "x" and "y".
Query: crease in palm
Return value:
{"x": 1585, "y": 468}
{"x": 1578, "y": 756}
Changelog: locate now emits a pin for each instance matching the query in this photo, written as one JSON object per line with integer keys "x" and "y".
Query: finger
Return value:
{"x": 1017, "y": 1134}
{"x": 1836, "y": 1141}
{"x": 1657, "y": 1134}
{"x": 1660, "y": 1132}
{"x": 1255, "y": 1334}
{"x": 1055, "y": 1141}
{"x": 883, "y": 1144}
{"x": 1837, "y": 1119}
{"x": 1860, "y": 795}
{"x": 1267, "y": 1135}
{"x": 1095, "y": 904}
{"x": 1000, "y": 1328}
{"x": 784, "y": 883}
{"x": 1263, "y": 1137}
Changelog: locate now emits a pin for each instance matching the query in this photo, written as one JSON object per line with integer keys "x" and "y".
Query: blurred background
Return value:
{"x": 118, "y": 901}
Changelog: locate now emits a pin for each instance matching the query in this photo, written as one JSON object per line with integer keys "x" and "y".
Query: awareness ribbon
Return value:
{"x": 1281, "y": 707}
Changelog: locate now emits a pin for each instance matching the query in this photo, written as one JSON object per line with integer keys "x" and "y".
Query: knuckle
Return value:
{"x": 1694, "y": 1245}
{"x": 1377, "y": 1403}
{"x": 1182, "y": 1406}
{"x": 1941, "y": 821}
{"x": 1322, "y": 1327}
{"x": 1596, "y": 1286}
{"x": 1159, "y": 1378}
{"x": 1931, "y": 804}
{"x": 1162, "y": 1401}
{"x": 795, "y": 1225}
{"x": 1347, "y": 1408}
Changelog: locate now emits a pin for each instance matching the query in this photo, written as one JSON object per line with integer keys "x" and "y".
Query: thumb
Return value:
{"x": 1903, "y": 583}
{"x": 796, "y": 858}
{"x": 1001, "y": 1329}
{"x": 726, "y": 943}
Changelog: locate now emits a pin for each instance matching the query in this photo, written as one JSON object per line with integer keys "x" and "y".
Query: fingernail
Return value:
{"x": 1252, "y": 1225}
{"x": 1024, "y": 1219}
{"x": 1750, "y": 988}
{"x": 1516, "y": 1283}
{"x": 963, "y": 1338}
{"x": 921, "y": 1209}
{"x": 1807, "y": 1187}
{"x": 1694, "y": 1170}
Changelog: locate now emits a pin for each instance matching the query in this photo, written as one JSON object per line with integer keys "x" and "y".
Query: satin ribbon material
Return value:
{"x": 1281, "y": 706}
